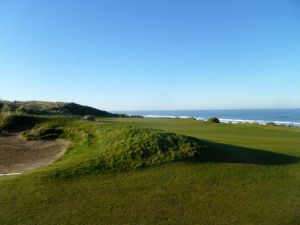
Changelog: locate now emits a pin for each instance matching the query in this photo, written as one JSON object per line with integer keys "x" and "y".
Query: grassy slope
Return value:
{"x": 252, "y": 177}
{"x": 100, "y": 146}
{"x": 273, "y": 138}
{"x": 50, "y": 108}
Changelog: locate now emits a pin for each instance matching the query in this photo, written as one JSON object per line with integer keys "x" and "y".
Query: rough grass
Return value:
{"x": 101, "y": 147}
{"x": 51, "y": 108}
{"x": 15, "y": 121}
{"x": 249, "y": 175}
{"x": 41, "y": 132}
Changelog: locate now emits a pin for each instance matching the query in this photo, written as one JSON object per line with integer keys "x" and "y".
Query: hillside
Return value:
{"x": 51, "y": 108}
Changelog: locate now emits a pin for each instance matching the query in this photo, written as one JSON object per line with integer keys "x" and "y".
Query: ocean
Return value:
{"x": 288, "y": 117}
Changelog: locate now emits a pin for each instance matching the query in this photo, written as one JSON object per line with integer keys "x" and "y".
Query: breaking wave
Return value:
{"x": 228, "y": 120}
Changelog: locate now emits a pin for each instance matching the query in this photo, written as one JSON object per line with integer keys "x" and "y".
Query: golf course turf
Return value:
{"x": 230, "y": 174}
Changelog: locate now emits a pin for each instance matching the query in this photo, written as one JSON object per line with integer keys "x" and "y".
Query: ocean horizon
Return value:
{"x": 288, "y": 117}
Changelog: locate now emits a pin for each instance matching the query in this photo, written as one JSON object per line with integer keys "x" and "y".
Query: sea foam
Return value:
{"x": 229, "y": 120}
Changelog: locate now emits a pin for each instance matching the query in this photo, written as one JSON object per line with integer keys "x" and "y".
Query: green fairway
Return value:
{"x": 243, "y": 174}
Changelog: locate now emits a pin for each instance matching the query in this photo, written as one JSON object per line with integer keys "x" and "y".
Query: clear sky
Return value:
{"x": 154, "y": 54}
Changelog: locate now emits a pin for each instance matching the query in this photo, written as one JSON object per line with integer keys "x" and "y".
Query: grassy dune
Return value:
{"x": 50, "y": 108}
{"x": 100, "y": 146}
{"x": 241, "y": 174}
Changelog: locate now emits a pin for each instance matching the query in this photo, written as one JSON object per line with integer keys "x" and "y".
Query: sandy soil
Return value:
{"x": 18, "y": 154}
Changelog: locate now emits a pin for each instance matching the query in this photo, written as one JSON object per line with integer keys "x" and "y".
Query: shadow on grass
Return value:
{"x": 224, "y": 153}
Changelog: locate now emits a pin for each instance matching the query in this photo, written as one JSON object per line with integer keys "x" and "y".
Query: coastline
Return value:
{"x": 229, "y": 120}
{"x": 280, "y": 117}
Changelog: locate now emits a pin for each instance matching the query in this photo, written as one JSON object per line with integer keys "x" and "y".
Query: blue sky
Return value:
{"x": 158, "y": 54}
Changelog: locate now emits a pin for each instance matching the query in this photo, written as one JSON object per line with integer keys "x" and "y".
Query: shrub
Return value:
{"x": 89, "y": 118}
{"x": 3, "y": 132}
{"x": 213, "y": 120}
{"x": 136, "y": 116}
{"x": 11, "y": 122}
{"x": 43, "y": 132}
{"x": 271, "y": 124}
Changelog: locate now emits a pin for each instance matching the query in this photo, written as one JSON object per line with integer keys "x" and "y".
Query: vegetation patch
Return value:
{"x": 123, "y": 148}
{"x": 213, "y": 120}
{"x": 11, "y": 122}
{"x": 112, "y": 147}
{"x": 43, "y": 132}
{"x": 51, "y": 108}
{"x": 271, "y": 124}
{"x": 89, "y": 117}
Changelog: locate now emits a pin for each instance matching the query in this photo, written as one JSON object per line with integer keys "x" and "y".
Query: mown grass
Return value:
{"x": 250, "y": 175}
{"x": 270, "y": 138}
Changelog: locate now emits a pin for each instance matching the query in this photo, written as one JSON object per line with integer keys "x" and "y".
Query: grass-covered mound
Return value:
{"x": 43, "y": 132}
{"x": 10, "y": 122}
{"x": 110, "y": 147}
{"x": 51, "y": 108}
